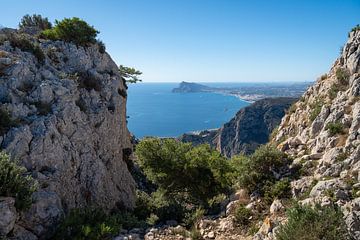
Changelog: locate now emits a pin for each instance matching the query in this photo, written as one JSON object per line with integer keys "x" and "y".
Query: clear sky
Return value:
{"x": 210, "y": 40}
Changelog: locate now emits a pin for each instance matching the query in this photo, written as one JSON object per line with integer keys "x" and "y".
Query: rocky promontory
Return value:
{"x": 63, "y": 117}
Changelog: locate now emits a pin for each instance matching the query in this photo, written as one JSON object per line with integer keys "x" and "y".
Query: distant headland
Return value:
{"x": 249, "y": 92}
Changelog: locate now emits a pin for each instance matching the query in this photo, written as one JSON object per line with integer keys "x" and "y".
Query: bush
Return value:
{"x": 306, "y": 223}
{"x": 333, "y": 91}
{"x": 277, "y": 190}
{"x": 257, "y": 171}
{"x": 72, "y": 30}
{"x": 242, "y": 215}
{"x": 101, "y": 46}
{"x": 94, "y": 224}
{"x": 25, "y": 44}
{"x": 14, "y": 182}
{"x": 316, "y": 109}
{"x": 342, "y": 75}
{"x": 6, "y": 122}
{"x": 35, "y": 21}
{"x": 186, "y": 173}
{"x": 334, "y": 128}
{"x": 89, "y": 81}
{"x": 356, "y": 28}
{"x": 324, "y": 76}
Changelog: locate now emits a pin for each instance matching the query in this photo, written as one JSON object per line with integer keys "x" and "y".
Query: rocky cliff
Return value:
{"x": 250, "y": 127}
{"x": 323, "y": 135}
{"x": 67, "y": 126}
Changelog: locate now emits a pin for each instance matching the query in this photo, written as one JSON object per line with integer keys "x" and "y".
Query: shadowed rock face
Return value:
{"x": 70, "y": 131}
{"x": 250, "y": 127}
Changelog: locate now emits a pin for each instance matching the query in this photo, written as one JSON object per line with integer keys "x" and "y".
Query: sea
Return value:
{"x": 153, "y": 110}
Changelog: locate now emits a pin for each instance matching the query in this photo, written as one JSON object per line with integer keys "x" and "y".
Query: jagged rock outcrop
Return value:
{"x": 68, "y": 127}
{"x": 250, "y": 127}
{"x": 323, "y": 135}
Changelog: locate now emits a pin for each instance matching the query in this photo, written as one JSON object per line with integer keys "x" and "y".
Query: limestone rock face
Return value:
{"x": 69, "y": 131}
{"x": 250, "y": 127}
{"x": 326, "y": 129}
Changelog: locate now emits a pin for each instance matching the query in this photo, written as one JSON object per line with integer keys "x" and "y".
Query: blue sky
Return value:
{"x": 210, "y": 40}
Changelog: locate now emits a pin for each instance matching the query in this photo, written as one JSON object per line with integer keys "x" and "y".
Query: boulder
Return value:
{"x": 8, "y": 215}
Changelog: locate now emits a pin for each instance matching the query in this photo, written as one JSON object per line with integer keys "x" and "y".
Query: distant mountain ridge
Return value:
{"x": 250, "y": 128}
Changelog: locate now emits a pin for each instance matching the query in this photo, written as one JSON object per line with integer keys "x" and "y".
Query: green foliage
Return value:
{"x": 192, "y": 218}
{"x": 14, "y": 182}
{"x": 35, "y": 21}
{"x": 186, "y": 173}
{"x": 89, "y": 81}
{"x": 333, "y": 91}
{"x": 342, "y": 75}
{"x": 316, "y": 109}
{"x": 22, "y": 42}
{"x": 101, "y": 45}
{"x": 72, "y": 30}
{"x": 131, "y": 75}
{"x": 324, "y": 76}
{"x": 6, "y": 122}
{"x": 306, "y": 223}
{"x": 94, "y": 224}
{"x": 334, "y": 128}
{"x": 279, "y": 189}
{"x": 242, "y": 215}
{"x": 356, "y": 28}
{"x": 256, "y": 171}
{"x": 158, "y": 206}
{"x": 292, "y": 108}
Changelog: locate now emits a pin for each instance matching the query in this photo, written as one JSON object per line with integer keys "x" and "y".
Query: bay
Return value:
{"x": 153, "y": 110}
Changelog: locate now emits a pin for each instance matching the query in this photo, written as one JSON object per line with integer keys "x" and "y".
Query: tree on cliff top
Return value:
{"x": 131, "y": 75}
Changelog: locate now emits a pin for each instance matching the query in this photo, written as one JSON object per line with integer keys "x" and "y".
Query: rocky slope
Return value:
{"x": 250, "y": 128}
{"x": 323, "y": 135}
{"x": 68, "y": 110}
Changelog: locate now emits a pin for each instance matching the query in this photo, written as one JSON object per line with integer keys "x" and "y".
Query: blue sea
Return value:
{"x": 153, "y": 110}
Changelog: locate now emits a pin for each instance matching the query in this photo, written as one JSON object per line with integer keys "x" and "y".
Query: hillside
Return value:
{"x": 250, "y": 128}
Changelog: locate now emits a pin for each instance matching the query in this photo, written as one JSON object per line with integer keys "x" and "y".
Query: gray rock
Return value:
{"x": 20, "y": 233}
{"x": 8, "y": 215}
{"x": 276, "y": 206}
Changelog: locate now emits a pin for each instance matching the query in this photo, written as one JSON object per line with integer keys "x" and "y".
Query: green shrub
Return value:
{"x": 306, "y": 223}
{"x": 24, "y": 44}
{"x": 277, "y": 190}
{"x": 72, "y": 30}
{"x": 316, "y": 109}
{"x": 356, "y": 28}
{"x": 6, "y": 122}
{"x": 292, "y": 108}
{"x": 324, "y": 76}
{"x": 343, "y": 75}
{"x": 254, "y": 172}
{"x": 14, "y": 182}
{"x": 89, "y": 81}
{"x": 242, "y": 215}
{"x": 102, "y": 47}
{"x": 334, "y": 128}
{"x": 186, "y": 173}
{"x": 34, "y": 21}
{"x": 333, "y": 91}
{"x": 94, "y": 224}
